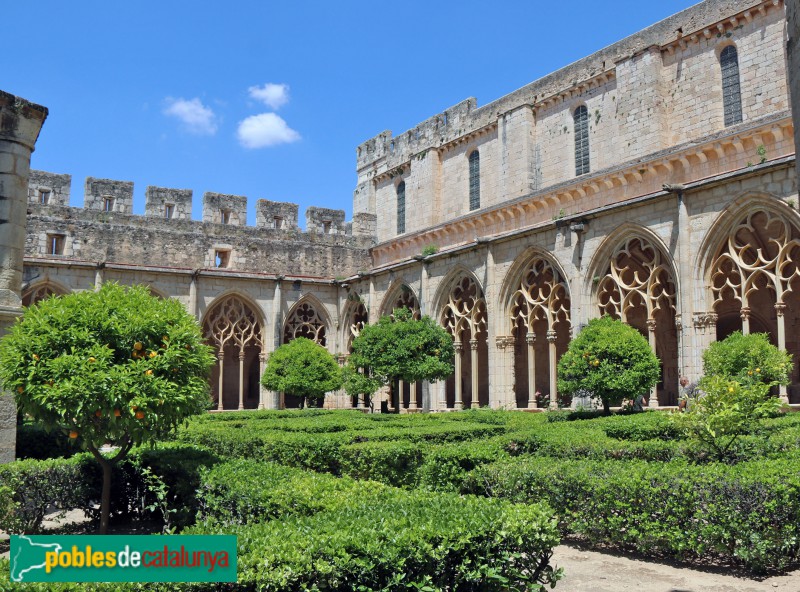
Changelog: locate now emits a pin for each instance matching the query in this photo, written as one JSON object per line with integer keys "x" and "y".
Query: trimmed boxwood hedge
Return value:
{"x": 748, "y": 513}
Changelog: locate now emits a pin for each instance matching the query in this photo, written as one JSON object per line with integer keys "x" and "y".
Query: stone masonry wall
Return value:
{"x": 656, "y": 89}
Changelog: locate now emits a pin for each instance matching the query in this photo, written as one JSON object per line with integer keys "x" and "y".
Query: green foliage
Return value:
{"x": 749, "y": 513}
{"x": 116, "y": 366}
{"x": 724, "y": 411}
{"x": 430, "y": 250}
{"x": 747, "y": 358}
{"x": 610, "y": 360}
{"x": 395, "y": 540}
{"x": 398, "y": 348}
{"x": 33, "y": 441}
{"x": 302, "y": 368}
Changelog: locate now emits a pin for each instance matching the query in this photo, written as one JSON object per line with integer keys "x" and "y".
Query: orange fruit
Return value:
{"x": 92, "y": 360}
{"x": 134, "y": 407}
{"x": 153, "y": 354}
{"x": 149, "y": 372}
{"x": 140, "y": 415}
{"x": 117, "y": 413}
{"x": 137, "y": 346}
{"x": 73, "y": 434}
{"x": 20, "y": 390}
{"x": 35, "y": 357}
{"x": 98, "y": 413}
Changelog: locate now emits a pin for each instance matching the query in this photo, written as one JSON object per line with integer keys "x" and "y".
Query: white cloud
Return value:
{"x": 265, "y": 129}
{"x": 272, "y": 95}
{"x": 195, "y": 117}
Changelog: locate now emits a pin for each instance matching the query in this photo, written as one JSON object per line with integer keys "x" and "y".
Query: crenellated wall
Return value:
{"x": 107, "y": 232}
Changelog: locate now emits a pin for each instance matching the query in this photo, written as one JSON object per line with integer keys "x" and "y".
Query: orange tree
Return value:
{"x": 115, "y": 367}
{"x": 610, "y": 360}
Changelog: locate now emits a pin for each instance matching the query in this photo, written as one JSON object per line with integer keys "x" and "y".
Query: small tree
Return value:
{"x": 610, "y": 360}
{"x": 398, "y": 347}
{"x": 302, "y": 368}
{"x": 747, "y": 358}
{"x": 734, "y": 394}
{"x": 115, "y": 367}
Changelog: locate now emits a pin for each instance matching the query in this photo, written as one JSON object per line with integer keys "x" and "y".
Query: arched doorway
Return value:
{"x": 540, "y": 323}
{"x": 755, "y": 280}
{"x": 638, "y": 288}
{"x": 41, "y": 291}
{"x": 235, "y": 331}
{"x": 464, "y": 317}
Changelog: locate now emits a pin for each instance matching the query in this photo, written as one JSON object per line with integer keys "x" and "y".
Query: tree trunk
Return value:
{"x": 606, "y": 407}
{"x": 105, "y": 500}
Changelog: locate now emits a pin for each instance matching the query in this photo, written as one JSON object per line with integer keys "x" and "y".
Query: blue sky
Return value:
{"x": 270, "y": 99}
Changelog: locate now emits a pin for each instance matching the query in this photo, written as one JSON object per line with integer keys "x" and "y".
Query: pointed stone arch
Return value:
{"x": 463, "y": 314}
{"x": 634, "y": 280}
{"x": 234, "y": 326}
{"x": 307, "y": 318}
{"x": 41, "y": 290}
{"x": 752, "y": 273}
{"x": 536, "y": 300}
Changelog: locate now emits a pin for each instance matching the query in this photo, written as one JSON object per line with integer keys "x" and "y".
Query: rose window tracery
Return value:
{"x": 305, "y": 322}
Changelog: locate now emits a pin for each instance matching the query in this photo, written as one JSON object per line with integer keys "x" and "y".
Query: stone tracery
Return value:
{"x": 231, "y": 324}
{"x": 541, "y": 298}
{"x": 464, "y": 317}
{"x": 306, "y": 322}
{"x": 40, "y": 291}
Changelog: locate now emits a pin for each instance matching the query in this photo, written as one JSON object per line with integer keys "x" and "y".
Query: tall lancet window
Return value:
{"x": 581, "y": 119}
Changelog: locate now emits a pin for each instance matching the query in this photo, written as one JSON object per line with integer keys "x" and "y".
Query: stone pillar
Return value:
{"x": 262, "y": 392}
{"x": 221, "y": 358}
{"x": 780, "y": 311}
{"x": 530, "y": 339}
{"x": 459, "y": 347}
{"x": 412, "y": 402}
{"x": 400, "y": 386}
{"x": 745, "y": 314}
{"x": 20, "y": 123}
{"x": 651, "y": 335}
{"x": 193, "y": 293}
{"x": 473, "y": 346}
{"x": 241, "y": 379}
{"x": 98, "y": 276}
{"x": 277, "y": 326}
{"x": 551, "y": 343}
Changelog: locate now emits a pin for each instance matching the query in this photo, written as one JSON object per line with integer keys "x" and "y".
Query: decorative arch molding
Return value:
{"x": 233, "y": 293}
{"x": 442, "y": 294}
{"x": 720, "y": 230}
{"x": 356, "y": 317}
{"x": 43, "y": 289}
{"x": 624, "y": 232}
{"x": 400, "y": 294}
{"x": 307, "y": 318}
{"x": 516, "y": 275}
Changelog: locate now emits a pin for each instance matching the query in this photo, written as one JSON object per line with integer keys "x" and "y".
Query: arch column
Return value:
{"x": 241, "y": 379}
{"x": 263, "y": 394}
{"x": 459, "y": 347}
{"x": 745, "y": 314}
{"x": 412, "y": 401}
{"x": 530, "y": 339}
{"x": 221, "y": 358}
{"x": 551, "y": 342}
{"x": 651, "y": 338}
{"x": 780, "y": 312}
{"x": 473, "y": 346}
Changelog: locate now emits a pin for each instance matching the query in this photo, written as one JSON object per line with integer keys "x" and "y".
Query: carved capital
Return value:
{"x": 504, "y": 341}
{"x": 651, "y": 325}
{"x": 780, "y": 309}
{"x": 458, "y": 346}
{"x": 678, "y": 322}
{"x": 530, "y": 338}
{"x": 711, "y": 319}
{"x": 221, "y": 354}
{"x": 745, "y": 313}
{"x": 473, "y": 344}
{"x": 241, "y": 355}
{"x": 551, "y": 336}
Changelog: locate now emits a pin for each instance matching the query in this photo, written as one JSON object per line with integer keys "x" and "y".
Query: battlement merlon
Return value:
{"x": 276, "y": 214}
{"x": 220, "y": 208}
{"x": 108, "y": 195}
{"x": 325, "y": 221}
{"x": 387, "y": 151}
{"x": 167, "y": 203}
{"x": 49, "y": 188}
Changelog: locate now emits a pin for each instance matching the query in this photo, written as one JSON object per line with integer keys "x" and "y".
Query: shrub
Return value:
{"x": 610, "y": 360}
{"x": 302, "y": 368}
{"x": 747, "y": 358}
{"x": 749, "y": 513}
{"x": 33, "y": 441}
